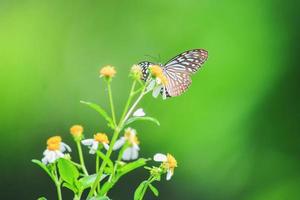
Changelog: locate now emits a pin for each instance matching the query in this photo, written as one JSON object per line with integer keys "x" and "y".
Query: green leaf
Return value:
{"x": 133, "y": 119}
{"x": 67, "y": 171}
{"x": 44, "y": 167}
{"x": 70, "y": 187}
{"x": 154, "y": 190}
{"x": 132, "y": 166}
{"x": 103, "y": 157}
{"x": 42, "y": 198}
{"x": 101, "y": 111}
{"x": 140, "y": 190}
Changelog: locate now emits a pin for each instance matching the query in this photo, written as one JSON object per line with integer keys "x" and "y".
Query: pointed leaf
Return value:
{"x": 100, "y": 110}
{"x": 154, "y": 190}
{"x": 41, "y": 198}
{"x": 132, "y": 166}
{"x": 67, "y": 171}
{"x": 107, "y": 160}
{"x": 88, "y": 181}
{"x": 133, "y": 119}
{"x": 70, "y": 187}
{"x": 140, "y": 190}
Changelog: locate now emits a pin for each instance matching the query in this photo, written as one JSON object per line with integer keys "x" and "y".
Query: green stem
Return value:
{"x": 111, "y": 103}
{"x": 131, "y": 94}
{"x": 97, "y": 169}
{"x": 116, "y": 131}
{"x": 57, "y": 184}
{"x": 58, "y": 192}
{"x": 81, "y": 158}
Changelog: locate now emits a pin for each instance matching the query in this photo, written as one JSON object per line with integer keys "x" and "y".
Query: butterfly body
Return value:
{"x": 178, "y": 71}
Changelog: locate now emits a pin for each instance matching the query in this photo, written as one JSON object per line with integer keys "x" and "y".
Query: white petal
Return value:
{"x": 45, "y": 152}
{"x": 64, "y": 147}
{"x": 45, "y": 160}
{"x": 87, "y": 142}
{"x": 120, "y": 142}
{"x": 156, "y": 91}
{"x": 134, "y": 153}
{"x": 159, "y": 157}
{"x": 169, "y": 175}
{"x": 106, "y": 146}
{"x": 150, "y": 86}
{"x": 58, "y": 154}
{"x": 94, "y": 147}
{"x": 51, "y": 156}
{"x": 127, "y": 154}
{"x": 139, "y": 113}
{"x": 136, "y": 147}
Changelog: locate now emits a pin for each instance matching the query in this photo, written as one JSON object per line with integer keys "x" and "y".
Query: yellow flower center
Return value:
{"x": 132, "y": 138}
{"x": 101, "y": 137}
{"x": 108, "y": 71}
{"x": 171, "y": 162}
{"x": 53, "y": 147}
{"x": 157, "y": 72}
{"x": 54, "y": 140}
{"x": 76, "y": 130}
{"x": 53, "y": 143}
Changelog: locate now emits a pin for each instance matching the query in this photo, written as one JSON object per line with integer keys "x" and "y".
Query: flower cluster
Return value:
{"x": 122, "y": 140}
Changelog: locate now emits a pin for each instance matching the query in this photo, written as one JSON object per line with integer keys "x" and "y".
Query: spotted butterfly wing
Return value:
{"x": 178, "y": 71}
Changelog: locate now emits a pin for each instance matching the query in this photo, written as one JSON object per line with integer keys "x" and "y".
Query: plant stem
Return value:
{"x": 97, "y": 169}
{"x": 131, "y": 94}
{"x": 81, "y": 158}
{"x": 58, "y": 192}
{"x": 111, "y": 103}
{"x": 117, "y": 131}
{"x": 57, "y": 184}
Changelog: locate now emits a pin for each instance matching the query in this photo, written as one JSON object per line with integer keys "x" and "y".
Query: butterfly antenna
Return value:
{"x": 156, "y": 59}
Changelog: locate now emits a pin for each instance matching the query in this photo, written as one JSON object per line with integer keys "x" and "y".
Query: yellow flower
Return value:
{"x": 54, "y": 140}
{"x": 136, "y": 72}
{"x": 55, "y": 149}
{"x": 107, "y": 71}
{"x": 132, "y": 150}
{"x": 130, "y": 135}
{"x": 76, "y": 130}
{"x": 168, "y": 163}
{"x": 94, "y": 143}
{"x": 101, "y": 137}
{"x": 156, "y": 70}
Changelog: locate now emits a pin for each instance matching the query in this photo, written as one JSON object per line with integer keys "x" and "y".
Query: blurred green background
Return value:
{"x": 235, "y": 133}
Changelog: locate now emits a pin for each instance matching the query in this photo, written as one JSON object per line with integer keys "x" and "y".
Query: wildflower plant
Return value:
{"x": 122, "y": 141}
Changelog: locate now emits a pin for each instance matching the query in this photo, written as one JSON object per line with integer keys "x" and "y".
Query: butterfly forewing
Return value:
{"x": 145, "y": 69}
{"x": 179, "y": 69}
{"x": 188, "y": 61}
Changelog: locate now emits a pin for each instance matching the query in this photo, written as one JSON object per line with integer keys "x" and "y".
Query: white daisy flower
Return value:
{"x": 94, "y": 143}
{"x": 168, "y": 163}
{"x": 132, "y": 151}
{"x": 139, "y": 113}
{"x": 55, "y": 149}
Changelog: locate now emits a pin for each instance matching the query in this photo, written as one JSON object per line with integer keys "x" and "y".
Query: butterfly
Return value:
{"x": 178, "y": 71}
